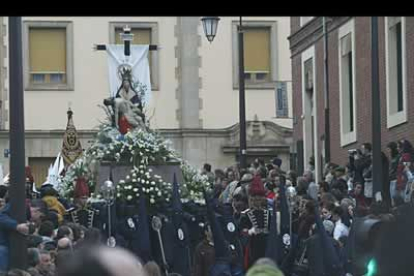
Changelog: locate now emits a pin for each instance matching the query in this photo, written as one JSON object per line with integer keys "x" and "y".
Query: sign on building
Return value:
{"x": 282, "y": 107}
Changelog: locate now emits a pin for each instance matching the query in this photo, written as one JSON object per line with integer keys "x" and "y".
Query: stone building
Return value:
{"x": 194, "y": 84}
{"x": 349, "y": 70}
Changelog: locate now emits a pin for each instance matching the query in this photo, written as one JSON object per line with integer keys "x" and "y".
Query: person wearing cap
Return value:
{"x": 254, "y": 223}
{"x": 31, "y": 192}
{"x": 277, "y": 162}
{"x": 81, "y": 213}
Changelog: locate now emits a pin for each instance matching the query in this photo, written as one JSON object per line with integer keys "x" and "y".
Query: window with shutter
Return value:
{"x": 47, "y": 55}
{"x": 257, "y": 54}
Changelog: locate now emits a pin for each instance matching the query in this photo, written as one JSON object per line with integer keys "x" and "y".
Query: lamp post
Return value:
{"x": 326, "y": 92}
{"x": 376, "y": 113}
{"x": 18, "y": 246}
{"x": 210, "y": 25}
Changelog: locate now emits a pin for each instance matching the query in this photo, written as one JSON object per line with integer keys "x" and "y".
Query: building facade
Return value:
{"x": 349, "y": 85}
{"x": 194, "y": 84}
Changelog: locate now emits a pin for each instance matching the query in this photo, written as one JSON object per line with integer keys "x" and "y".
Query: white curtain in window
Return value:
{"x": 138, "y": 61}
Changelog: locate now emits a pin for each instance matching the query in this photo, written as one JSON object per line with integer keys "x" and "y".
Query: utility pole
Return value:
{"x": 376, "y": 111}
{"x": 326, "y": 94}
{"x": 242, "y": 100}
{"x": 18, "y": 246}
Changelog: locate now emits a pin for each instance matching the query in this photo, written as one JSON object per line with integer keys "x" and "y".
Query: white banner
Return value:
{"x": 137, "y": 62}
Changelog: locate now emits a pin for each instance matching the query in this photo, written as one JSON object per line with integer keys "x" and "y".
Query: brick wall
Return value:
{"x": 297, "y": 98}
{"x": 363, "y": 88}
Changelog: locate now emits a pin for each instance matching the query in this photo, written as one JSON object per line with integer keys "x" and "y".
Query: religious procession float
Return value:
{"x": 136, "y": 185}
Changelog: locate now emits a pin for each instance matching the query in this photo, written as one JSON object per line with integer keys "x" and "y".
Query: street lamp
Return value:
{"x": 210, "y": 25}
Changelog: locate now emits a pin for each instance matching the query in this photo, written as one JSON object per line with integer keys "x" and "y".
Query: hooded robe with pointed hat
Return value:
{"x": 332, "y": 265}
{"x": 222, "y": 250}
{"x": 180, "y": 242}
{"x": 134, "y": 228}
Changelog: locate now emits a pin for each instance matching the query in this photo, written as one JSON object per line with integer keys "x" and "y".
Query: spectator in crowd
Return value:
{"x": 341, "y": 230}
{"x": 359, "y": 163}
{"x": 339, "y": 181}
{"x": 65, "y": 231}
{"x": 45, "y": 265}
{"x": 47, "y": 232}
{"x": 204, "y": 257}
{"x": 207, "y": 171}
{"x": 394, "y": 157}
{"x": 405, "y": 150}
{"x": 7, "y": 226}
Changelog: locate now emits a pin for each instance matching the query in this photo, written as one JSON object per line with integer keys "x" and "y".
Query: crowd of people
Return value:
{"x": 256, "y": 221}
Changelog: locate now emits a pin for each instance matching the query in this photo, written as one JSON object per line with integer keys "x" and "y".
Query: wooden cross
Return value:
{"x": 127, "y": 37}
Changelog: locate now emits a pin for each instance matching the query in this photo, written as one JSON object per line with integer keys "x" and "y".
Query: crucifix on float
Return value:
{"x": 127, "y": 37}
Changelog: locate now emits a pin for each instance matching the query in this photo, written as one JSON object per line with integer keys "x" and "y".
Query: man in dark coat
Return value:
{"x": 359, "y": 161}
{"x": 204, "y": 255}
{"x": 82, "y": 213}
{"x": 231, "y": 234}
{"x": 8, "y": 225}
{"x": 254, "y": 223}
{"x": 314, "y": 249}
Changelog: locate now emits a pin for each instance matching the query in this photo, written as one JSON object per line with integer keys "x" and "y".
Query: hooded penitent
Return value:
{"x": 222, "y": 251}
{"x": 54, "y": 173}
{"x": 332, "y": 264}
{"x": 181, "y": 262}
{"x": 144, "y": 243}
{"x": 273, "y": 238}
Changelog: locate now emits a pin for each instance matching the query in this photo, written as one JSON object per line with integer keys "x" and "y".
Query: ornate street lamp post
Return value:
{"x": 210, "y": 25}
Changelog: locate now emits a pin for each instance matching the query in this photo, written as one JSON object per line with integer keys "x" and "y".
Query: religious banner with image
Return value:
{"x": 71, "y": 148}
{"x": 137, "y": 63}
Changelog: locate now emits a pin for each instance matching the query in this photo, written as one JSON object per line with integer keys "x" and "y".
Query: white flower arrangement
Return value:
{"x": 139, "y": 148}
